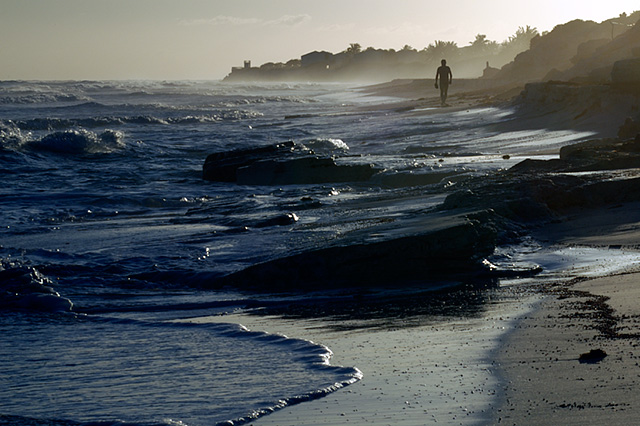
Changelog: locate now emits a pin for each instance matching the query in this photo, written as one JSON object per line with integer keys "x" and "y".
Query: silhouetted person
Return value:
{"x": 445, "y": 76}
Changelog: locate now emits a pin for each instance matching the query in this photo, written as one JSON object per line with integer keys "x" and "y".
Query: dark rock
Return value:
{"x": 280, "y": 164}
{"x": 592, "y": 357}
{"x": 629, "y": 129}
{"x": 452, "y": 251}
{"x": 591, "y": 149}
{"x": 222, "y": 166}
{"x": 522, "y": 197}
{"x": 592, "y": 155}
{"x": 600, "y": 154}
{"x": 611, "y": 191}
{"x": 304, "y": 170}
{"x": 538, "y": 166}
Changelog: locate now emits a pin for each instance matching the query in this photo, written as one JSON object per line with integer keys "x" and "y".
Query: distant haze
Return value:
{"x": 203, "y": 39}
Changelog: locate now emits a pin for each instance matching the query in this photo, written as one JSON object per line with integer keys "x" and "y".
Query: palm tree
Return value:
{"x": 482, "y": 46}
{"x": 354, "y": 48}
{"x": 442, "y": 49}
{"x": 521, "y": 40}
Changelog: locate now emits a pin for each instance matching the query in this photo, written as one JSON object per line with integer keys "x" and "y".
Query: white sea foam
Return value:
{"x": 326, "y": 145}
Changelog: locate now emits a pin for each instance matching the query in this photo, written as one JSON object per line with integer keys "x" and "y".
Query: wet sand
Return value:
{"x": 545, "y": 380}
{"x": 546, "y": 383}
{"x": 533, "y": 377}
{"x": 419, "y": 96}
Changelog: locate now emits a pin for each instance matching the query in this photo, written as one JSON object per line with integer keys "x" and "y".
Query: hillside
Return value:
{"x": 576, "y": 51}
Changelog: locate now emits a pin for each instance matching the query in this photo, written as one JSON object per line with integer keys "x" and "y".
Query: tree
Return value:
{"x": 481, "y": 40}
{"x": 442, "y": 49}
{"x": 354, "y": 48}
{"x": 521, "y": 40}
{"x": 482, "y": 46}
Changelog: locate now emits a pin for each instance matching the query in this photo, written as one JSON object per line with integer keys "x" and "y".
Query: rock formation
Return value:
{"x": 281, "y": 164}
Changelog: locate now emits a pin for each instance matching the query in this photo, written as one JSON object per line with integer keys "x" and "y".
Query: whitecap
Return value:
{"x": 80, "y": 142}
{"x": 10, "y": 136}
{"x": 326, "y": 145}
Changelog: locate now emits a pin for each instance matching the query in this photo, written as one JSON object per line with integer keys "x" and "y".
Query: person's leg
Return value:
{"x": 443, "y": 93}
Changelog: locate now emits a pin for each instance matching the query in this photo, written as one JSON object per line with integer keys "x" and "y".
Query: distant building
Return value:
{"x": 247, "y": 66}
{"x": 317, "y": 59}
{"x": 490, "y": 72}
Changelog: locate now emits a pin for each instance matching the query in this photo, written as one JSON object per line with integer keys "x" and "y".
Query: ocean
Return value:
{"x": 110, "y": 239}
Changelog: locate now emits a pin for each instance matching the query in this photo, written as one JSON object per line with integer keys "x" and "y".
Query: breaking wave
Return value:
{"x": 64, "y": 142}
{"x": 326, "y": 145}
{"x": 80, "y": 142}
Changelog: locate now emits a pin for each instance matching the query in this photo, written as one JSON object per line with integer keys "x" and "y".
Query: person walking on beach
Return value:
{"x": 445, "y": 76}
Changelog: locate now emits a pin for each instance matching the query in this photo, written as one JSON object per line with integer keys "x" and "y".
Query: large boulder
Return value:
{"x": 304, "y": 170}
{"x": 591, "y": 155}
{"x": 281, "y": 164}
{"x": 223, "y": 166}
{"x": 455, "y": 250}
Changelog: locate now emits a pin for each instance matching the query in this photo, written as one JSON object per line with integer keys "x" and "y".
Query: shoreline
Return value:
{"x": 504, "y": 375}
{"x": 535, "y": 361}
{"x": 508, "y": 376}
{"x": 545, "y": 380}
{"x": 402, "y": 383}
{"x": 418, "y": 96}
{"x": 603, "y": 109}
{"x": 524, "y": 370}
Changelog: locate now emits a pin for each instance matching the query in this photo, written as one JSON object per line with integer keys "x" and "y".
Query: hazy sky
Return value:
{"x": 203, "y": 39}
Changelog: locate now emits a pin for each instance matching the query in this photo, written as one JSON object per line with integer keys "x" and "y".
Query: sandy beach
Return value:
{"x": 547, "y": 383}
